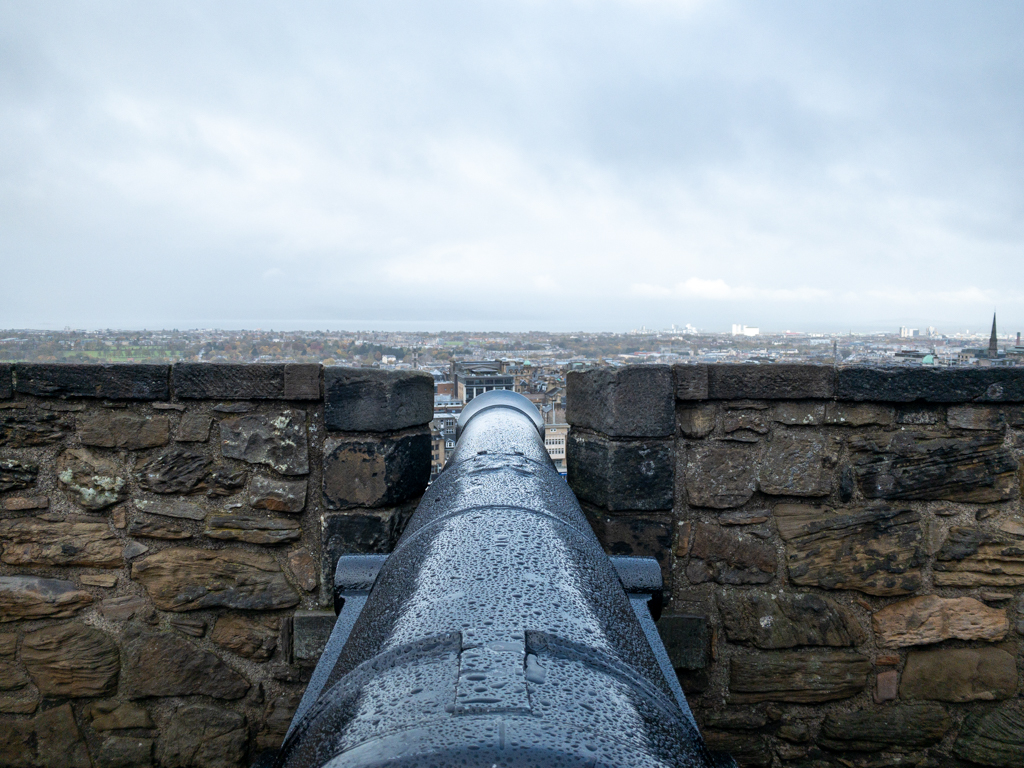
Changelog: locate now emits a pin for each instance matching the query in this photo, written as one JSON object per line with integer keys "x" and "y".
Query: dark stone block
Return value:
{"x": 871, "y": 730}
{"x": 372, "y": 400}
{"x": 691, "y": 381}
{"x": 727, "y": 557}
{"x": 375, "y": 473}
{"x": 992, "y": 737}
{"x": 906, "y": 385}
{"x": 788, "y": 620}
{"x": 634, "y": 536}
{"x": 931, "y": 465}
{"x": 635, "y": 401}
{"x": 687, "y": 640}
{"x": 358, "y": 532}
{"x": 749, "y": 750}
{"x": 780, "y": 381}
{"x": 797, "y": 677}
{"x": 621, "y": 475}
{"x": 878, "y": 551}
{"x": 246, "y": 381}
{"x": 6, "y": 380}
{"x": 119, "y": 381}
{"x": 310, "y": 632}
{"x": 720, "y": 474}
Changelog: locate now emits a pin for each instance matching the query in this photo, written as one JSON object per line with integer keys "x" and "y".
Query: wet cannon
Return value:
{"x": 498, "y": 632}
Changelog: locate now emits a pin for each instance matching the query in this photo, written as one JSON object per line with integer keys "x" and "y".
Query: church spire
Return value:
{"x": 993, "y": 345}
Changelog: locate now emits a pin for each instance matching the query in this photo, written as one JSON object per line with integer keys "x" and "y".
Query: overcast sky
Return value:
{"x": 595, "y": 165}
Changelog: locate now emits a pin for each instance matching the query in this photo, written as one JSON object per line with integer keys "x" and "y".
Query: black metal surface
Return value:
{"x": 497, "y": 633}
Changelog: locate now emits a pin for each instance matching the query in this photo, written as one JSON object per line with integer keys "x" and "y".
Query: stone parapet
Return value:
{"x": 843, "y": 550}
{"x": 166, "y": 550}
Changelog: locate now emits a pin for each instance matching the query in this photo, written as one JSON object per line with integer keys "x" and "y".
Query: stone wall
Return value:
{"x": 844, "y": 550}
{"x": 166, "y": 539}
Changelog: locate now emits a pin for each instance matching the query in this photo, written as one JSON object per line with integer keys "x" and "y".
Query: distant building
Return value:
{"x": 745, "y": 330}
{"x": 475, "y": 378}
{"x": 908, "y": 333}
{"x": 554, "y": 440}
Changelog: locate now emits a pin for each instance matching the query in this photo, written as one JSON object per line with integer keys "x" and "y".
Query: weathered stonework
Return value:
{"x": 720, "y": 474}
{"x": 31, "y": 541}
{"x": 92, "y": 481}
{"x": 182, "y": 579}
{"x": 786, "y": 621}
{"x": 794, "y": 677}
{"x": 722, "y": 555}
{"x": 361, "y": 472}
{"x": 277, "y": 440}
{"x": 932, "y": 619}
{"x": 901, "y": 727}
{"x": 973, "y": 557}
{"x": 930, "y": 465}
{"x": 31, "y": 597}
{"x": 369, "y": 400}
{"x": 122, "y": 429}
{"x": 959, "y": 674}
{"x": 71, "y": 660}
{"x": 877, "y": 551}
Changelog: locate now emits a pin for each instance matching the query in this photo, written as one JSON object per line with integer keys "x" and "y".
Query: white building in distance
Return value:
{"x": 744, "y": 330}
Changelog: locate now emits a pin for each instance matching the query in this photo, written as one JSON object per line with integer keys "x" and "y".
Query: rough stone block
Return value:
{"x": 32, "y": 597}
{"x": 720, "y": 474}
{"x": 727, "y": 557}
{"x": 797, "y": 677}
{"x": 361, "y": 472}
{"x": 303, "y": 568}
{"x": 163, "y": 664}
{"x": 246, "y": 381}
{"x": 687, "y": 640}
{"x": 878, "y": 551}
{"x": 122, "y": 429}
{"x": 6, "y": 380}
{"x": 372, "y": 400}
{"x": 932, "y": 385}
{"x": 992, "y": 737}
{"x": 175, "y": 470}
{"x": 115, "y": 716}
{"x": 16, "y": 474}
{"x": 976, "y": 418}
{"x": 125, "y": 752}
{"x": 858, "y": 415}
{"x": 277, "y": 440}
{"x": 696, "y": 421}
{"x": 278, "y": 495}
{"x": 93, "y": 481}
{"x": 803, "y": 414}
{"x": 633, "y": 535}
{"x": 798, "y": 464}
{"x": 621, "y": 474}
{"x": 203, "y": 736}
{"x": 31, "y": 541}
{"x": 253, "y": 529}
{"x": 887, "y": 686}
{"x": 872, "y": 730}
{"x": 749, "y": 750}
{"x": 185, "y": 579}
{"x": 59, "y": 742}
{"x": 194, "y": 428}
{"x": 359, "y": 531}
{"x": 932, "y": 619}
{"x": 254, "y": 639}
{"x": 71, "y": 660}
{"x": 691, "y": 381}
{"x": 116, "y": 381}
{"x": 929, "y": 465}
{"x": 635, "y": 401}
{"x": 975, "y": 557}
{"x": 27, "y": 429}
{"x": 778, "y": 381}
{"x": 959, "y": 674}
{"x": 788, "y": 620}
{"x": 310, "y": 632}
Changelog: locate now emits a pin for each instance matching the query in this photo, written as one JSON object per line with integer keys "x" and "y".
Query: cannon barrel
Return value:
{"x": 498, "y": 632}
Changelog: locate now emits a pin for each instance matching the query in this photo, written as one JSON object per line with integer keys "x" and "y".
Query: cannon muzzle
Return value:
{"x": 498, "y": 632}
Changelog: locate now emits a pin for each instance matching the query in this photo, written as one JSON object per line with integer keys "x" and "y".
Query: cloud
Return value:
{"x": 541, "y": 164}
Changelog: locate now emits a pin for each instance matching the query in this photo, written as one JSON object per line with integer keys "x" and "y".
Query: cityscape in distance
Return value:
{"x": 465, "y": 364}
